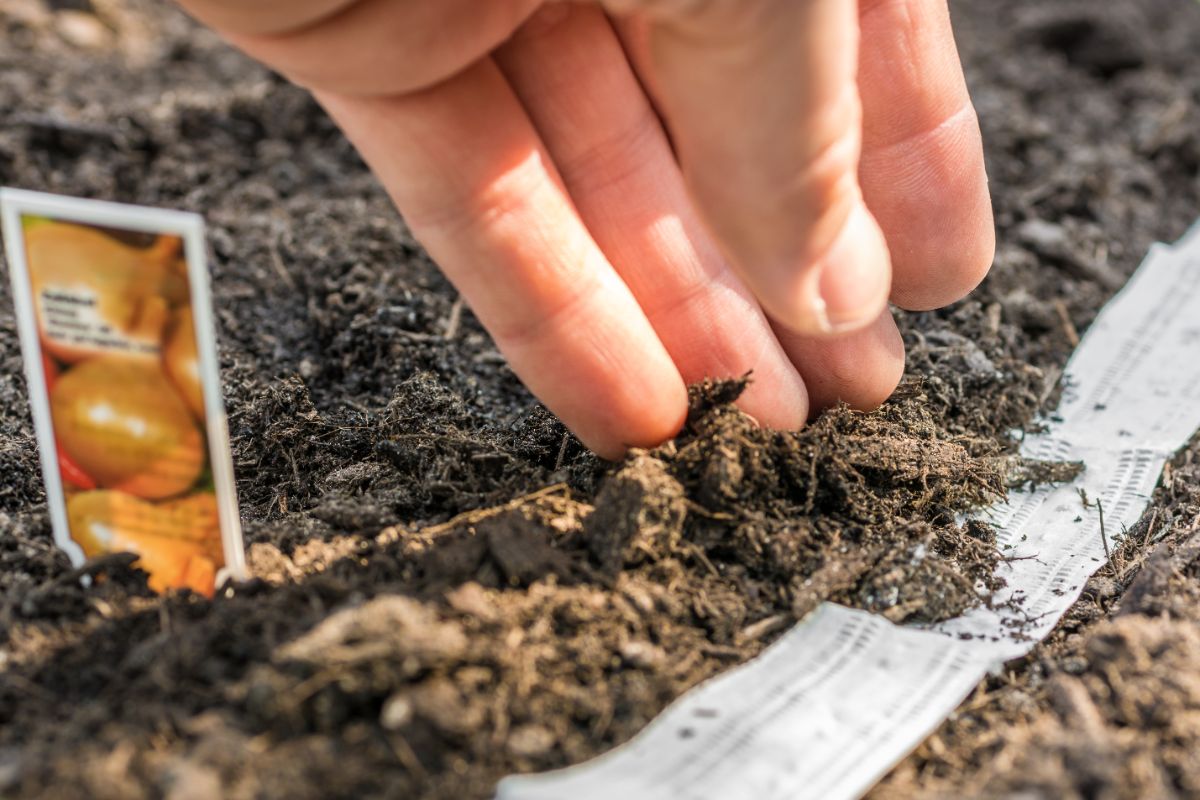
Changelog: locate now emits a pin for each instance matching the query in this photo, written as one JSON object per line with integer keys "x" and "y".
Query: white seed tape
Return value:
{"x": 828, "y": 709}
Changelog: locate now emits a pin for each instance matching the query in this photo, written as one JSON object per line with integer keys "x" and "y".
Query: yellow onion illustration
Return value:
{"x": 94, "y": 295}
{"x": 124, "y": 424}
{"x": 182, "y": 361}
{"x": 178, "y": 542}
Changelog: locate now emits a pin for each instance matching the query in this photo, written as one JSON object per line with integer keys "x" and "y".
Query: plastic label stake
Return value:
{"x": 115, "y": 319}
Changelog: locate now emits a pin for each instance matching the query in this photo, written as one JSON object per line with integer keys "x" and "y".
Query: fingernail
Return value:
{"x": 842, "y": 314}
{"x": 853, "y": 285}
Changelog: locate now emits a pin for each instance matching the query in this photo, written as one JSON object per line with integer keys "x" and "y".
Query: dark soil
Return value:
{"x": 1109, "y": 705}
{"x": 448, "y": 586}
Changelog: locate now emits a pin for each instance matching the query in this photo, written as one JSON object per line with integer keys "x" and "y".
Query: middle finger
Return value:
{"x": 617, "y": 164}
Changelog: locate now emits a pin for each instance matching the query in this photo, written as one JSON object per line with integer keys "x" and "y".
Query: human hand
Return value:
{"x": 683, "y": 189}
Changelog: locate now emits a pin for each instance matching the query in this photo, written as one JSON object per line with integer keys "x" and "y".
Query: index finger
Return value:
{"x": 263, "y": 16}
{"x": 366, "y": 47}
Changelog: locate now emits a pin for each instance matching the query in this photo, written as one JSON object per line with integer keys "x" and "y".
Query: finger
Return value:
{"x": 371, "y": 47}
{"x": 633, "y": 31}
{"x": 262, "y": 16}
{"x": 861, "y": 368}
{"x": 613, "y": 155}
{"x": 922, "y": 168}
{"x": 468, "y": 172}
{"x": 762, "y": 103}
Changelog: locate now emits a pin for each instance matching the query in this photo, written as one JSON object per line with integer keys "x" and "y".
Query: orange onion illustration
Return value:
{"x": 178, "y": 542}
{"x": 182, "y": 362}
{"x": 123, "y": 424}
{"x": 94, "y": 295}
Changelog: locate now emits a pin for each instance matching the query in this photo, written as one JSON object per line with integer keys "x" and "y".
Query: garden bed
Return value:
{"x": 448, "y": 587}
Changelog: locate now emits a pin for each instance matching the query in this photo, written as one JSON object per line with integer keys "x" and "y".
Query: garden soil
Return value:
{"x": 447, "y": 587}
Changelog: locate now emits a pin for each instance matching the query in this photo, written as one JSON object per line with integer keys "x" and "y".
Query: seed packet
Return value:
{"x": 116, "y": 329}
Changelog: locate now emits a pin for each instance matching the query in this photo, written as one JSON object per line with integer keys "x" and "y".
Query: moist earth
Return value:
{"x": 447, "y": 586}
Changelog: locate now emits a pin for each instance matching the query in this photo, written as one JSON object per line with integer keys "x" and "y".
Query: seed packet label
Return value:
{"x": 116, "y": 330}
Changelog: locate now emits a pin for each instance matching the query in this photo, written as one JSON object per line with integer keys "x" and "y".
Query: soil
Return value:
{"x": 1109, "y": 705}
{"x": 448, "y": 587}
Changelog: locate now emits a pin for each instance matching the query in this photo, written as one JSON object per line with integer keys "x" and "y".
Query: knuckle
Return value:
{"x": 614, "y": 159}
{"x": 821, "y": 195}
{"x": 479, "y": 206}
{"x": 545, "y": 21}
{"x": 380, "y": 48}
{"x": 824, "y": 178}
{"x": 731, "y": 27}
{"x": 828, "y": 184}
{"x": 531, "y": 328}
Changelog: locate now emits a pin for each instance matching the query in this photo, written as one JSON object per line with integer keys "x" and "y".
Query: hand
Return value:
{"x": 637, "y": 194}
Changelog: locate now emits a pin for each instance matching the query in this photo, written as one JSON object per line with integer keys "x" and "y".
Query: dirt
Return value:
{"x": 448, "y": 586}
{"x": 1109, "y": 705}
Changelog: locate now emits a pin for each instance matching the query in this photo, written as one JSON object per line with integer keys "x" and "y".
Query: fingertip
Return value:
{"x": 861, "y": 369}
{"x": 936, "y": 210}
{"x": 652, "y": 420}
{"x": 631, "y": 415}
{"x": 842, "y": 291}
{"x": 776, "y": 398}
{"x": 922, "y": 168}
{"x": 947, "y": 266}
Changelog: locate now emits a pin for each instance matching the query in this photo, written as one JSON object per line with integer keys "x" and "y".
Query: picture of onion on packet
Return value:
{"x": 116, "y": 331}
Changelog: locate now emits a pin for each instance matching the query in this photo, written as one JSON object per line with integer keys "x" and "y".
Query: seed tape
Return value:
{"x": 828, "y": 709}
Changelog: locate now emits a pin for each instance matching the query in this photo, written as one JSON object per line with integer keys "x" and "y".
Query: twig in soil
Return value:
{"x": 96, "y": 566}
{"x": 28, "y": 685}
{"x": 562, "y": 452}
{"x": 1149, "y": 537}
{"x": 600, "y": 726}
{"x": 407, "y": 756}
{"x": 993, "y": 316}
{"x": 454, "y": 321}
{"x": 764, "y": 627}
{"x": 417, "y": 336}
{"x": 480, "y": 514}
{"x": 1052, "y": 376}
{"x": 988, "y": 489}
{"x": 46, "y": 122}
{"x": 488, "y": 357}
{"x": 306, "y": 689}
{"x": 1029, "y": 620}
{"x": 810, "y": 496}
{"x": 1064, "y": 317}
{"x": 1103, "y": 535}
{"x": 720, "y": 651}
{"x": 277, "y": 259}
{"x": 702, "y": 557}
{"x": 295, "y": 469}
{"x": 695, "y": 508}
